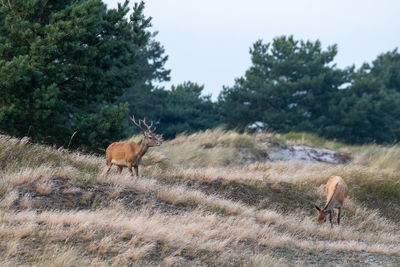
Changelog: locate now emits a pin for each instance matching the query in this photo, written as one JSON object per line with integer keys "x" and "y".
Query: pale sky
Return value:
{"x": 208, "y": 41}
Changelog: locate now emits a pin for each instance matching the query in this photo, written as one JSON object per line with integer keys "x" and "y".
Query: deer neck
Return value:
{"x": 143, "y": 149}
{"x": 331, "y": 202}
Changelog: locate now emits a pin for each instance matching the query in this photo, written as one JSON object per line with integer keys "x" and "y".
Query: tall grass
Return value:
{"x": 203, "y": 199}
{"x": 381, "y": 157}
{"x": 370, "y": 155}
{"x": 209, "y": 148}
{"x": 308, "y": 139}
{"x": 17, "y": 154}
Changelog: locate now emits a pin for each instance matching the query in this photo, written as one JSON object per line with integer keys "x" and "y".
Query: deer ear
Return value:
{"x": 317, "y": 208}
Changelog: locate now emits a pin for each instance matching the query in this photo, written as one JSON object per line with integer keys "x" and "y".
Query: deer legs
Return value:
{"x": 331, "y": 214}
{"x": 135, "y": 166}
{"x": 108, "y": 168}
{"x": 330, "y": 217}
{"x": 129, "y": 165}
{"x": 338, "y": 216}
{"x": 119, "y": 169}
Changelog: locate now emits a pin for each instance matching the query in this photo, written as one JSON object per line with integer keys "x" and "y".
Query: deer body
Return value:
{"x": 129, "y": 154}
{"x": 336, "y": 191}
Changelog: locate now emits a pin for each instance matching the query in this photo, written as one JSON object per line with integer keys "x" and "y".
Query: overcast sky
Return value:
{"x": 208, "y": 41}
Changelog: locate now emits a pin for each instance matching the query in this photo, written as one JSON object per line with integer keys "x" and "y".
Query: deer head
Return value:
{"x": 322, "y": 215}
{"x": 150, "y": 139}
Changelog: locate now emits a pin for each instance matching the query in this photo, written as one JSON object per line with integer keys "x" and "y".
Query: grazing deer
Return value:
{"x": 128, "y": 154}
{"x": 336, "y": 191}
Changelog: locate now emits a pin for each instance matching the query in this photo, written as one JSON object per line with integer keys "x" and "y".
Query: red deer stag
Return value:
{"x": 336, "y": 191}
{"x": 128, "y": 154}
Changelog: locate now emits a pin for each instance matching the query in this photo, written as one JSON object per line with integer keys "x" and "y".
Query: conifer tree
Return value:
{"x": 289, "y": 86}
{"x": 64, "y": 66}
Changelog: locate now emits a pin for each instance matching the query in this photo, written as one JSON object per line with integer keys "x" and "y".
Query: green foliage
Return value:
{"x": 186, "y": 110}
{"x": 64, "y": 66}
{"x": 145, "y": 99}
{"x": 77, "y": 67}
{"x": 293, "y": 86}
{"x": 288, "y": 86}
{"x": 369, "y": 110}
{"x": 110, "y": 122}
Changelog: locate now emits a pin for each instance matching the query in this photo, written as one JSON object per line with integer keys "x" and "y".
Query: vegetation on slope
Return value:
{"x": 79, "y": 68}
{"x": 208, "y": 198}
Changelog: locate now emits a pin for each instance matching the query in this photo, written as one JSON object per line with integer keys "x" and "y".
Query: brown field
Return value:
{"x": 207, "y": 199}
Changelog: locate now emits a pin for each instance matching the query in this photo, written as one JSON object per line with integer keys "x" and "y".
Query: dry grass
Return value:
{"x": 26, "y": 201}
{"x": 197, "y": 203}
{"x": 370, "y": 155}
{"x": 9, "y": 199}
{"x": 61, "y": 257}
{"x": 381, "y": 157}
{"x": 43, "y": 188}
{"x": 211, "y": 148}
{"x": 177, "y": 194}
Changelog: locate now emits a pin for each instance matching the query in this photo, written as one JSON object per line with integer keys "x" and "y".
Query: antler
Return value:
{"x": 137, "y": 124}
{"x": 148, "y": 127}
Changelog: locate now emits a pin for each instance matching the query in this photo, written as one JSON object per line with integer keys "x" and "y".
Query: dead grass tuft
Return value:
{"x": 62, "y": 257}
{"x": 43, "y": 188}
{"x": 12, "y": 248}
{"x": 135, "y": 251}
{"x": 26, "y": 201}
{"x": 9, "y": 199}
{"x": 72, "y": 191}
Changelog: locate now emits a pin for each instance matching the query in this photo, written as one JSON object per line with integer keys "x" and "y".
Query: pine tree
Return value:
{"x": 187, "y": 110}
{"x": 288, "y": 87}
{"x": 369, "y": 109}
{"x": 64, "y": 66}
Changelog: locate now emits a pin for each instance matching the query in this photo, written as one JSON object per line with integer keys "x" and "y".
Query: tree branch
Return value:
{"x": 43, "y": 11}
{"x": 15, "y": 12}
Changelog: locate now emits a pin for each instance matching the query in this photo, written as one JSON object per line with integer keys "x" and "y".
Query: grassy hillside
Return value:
{"x": 209, "y": 198}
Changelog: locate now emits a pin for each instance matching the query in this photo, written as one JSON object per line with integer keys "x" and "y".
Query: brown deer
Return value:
{"x": 336, "y": 191}
{"x": 128, "y": 154}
